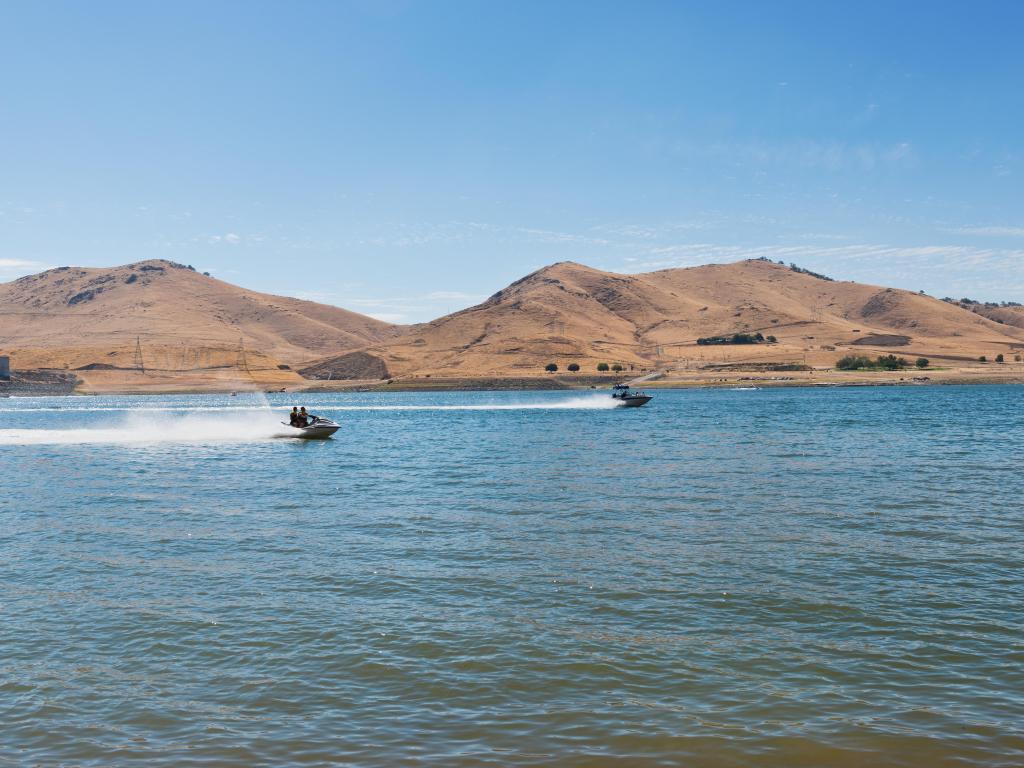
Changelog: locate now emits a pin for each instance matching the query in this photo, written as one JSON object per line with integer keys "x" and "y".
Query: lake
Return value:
{"x": 783, "y": 577}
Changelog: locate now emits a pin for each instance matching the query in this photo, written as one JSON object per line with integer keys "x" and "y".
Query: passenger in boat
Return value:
{"x": 303, "y": 420}
{"x": 293, "y": 417}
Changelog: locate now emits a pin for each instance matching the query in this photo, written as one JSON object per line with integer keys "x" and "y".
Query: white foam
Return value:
{"x": 238, "y": 424}
{"x": 138, "y": 429}
{"x": 593, "y": 402}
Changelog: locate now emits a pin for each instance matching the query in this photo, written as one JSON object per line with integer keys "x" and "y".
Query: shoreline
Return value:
{"x": 695, "y": 380}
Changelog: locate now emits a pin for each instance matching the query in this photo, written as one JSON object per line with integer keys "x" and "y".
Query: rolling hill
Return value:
{"x": 157, "y": 324}
{"x": 569, "y": 313}
{"x": 93, "y": 320}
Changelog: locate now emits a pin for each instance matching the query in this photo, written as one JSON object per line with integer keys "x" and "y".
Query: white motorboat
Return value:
{"x": 318, "y": 428}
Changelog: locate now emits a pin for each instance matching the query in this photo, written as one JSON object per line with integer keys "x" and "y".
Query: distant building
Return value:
{"x": 5, "y": 368}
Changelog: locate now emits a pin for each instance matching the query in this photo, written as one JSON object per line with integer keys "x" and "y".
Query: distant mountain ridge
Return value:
{"x": 167, "y": 317}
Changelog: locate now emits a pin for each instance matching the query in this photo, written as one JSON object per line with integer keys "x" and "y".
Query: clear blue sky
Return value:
{"x": 406, "y": 159}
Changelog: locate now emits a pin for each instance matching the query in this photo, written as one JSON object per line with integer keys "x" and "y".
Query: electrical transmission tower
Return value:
{"x": 139, "y": 363}
{"x": 240, "y": 362}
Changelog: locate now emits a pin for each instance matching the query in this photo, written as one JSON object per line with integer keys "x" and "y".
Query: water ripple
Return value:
{"x": 779, "y": 578}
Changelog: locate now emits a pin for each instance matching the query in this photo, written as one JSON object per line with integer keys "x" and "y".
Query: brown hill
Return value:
{"x": 185, "y": 322}
{"x": 1005, "y": 314}
{"x": 569, "y": 313}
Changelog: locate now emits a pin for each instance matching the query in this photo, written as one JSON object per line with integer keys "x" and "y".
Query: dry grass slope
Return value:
{"x": 189, "y": 325}
{"x": 569, "y": 313}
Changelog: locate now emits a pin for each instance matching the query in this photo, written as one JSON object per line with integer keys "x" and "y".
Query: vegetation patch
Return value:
{"x": 736, "y": 338}
{"x": 865, "y": 363}
{"x": 759, "y": 367}
{"x": 882, "y": 340}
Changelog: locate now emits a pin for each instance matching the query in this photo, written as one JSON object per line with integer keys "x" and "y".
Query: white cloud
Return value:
{"x": 230, "y": 238}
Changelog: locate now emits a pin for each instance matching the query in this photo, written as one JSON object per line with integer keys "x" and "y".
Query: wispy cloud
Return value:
{"x": 20, "y": 264}
{"x": 987, "y": 231}
{"x": 11, "y": 269}
{"x": 993, "y": 272}
{"x": 408, "y": 309}
{"x": 834, "y": 156}
{"x": 229, "y": 238}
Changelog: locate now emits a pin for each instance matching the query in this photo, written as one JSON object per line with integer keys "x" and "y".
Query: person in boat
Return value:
{"x": 293, "y": 417}
{"x": 303, "y": 419}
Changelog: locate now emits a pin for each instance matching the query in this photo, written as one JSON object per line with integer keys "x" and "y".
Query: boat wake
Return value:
{"x": 139, "y": 429}
{"x": 232, "y": 424}
{"x": 589, "y": 402}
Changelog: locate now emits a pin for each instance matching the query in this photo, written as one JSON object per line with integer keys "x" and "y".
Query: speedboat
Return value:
{"x": 318, "y": 428}
{"x": 628, "y": 399}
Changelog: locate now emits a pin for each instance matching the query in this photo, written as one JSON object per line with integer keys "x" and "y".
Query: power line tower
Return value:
{"x": 240, "y": 362}
{"x": 140, "y": 365}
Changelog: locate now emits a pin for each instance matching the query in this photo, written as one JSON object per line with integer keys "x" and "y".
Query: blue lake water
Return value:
{"x": 788, "y": 577}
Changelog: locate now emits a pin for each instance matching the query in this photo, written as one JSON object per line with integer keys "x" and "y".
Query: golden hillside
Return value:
{"x": 185, "y": 322}
{"x": 570, "y": 313}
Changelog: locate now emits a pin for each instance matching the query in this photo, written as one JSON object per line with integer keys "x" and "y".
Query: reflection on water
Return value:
{"x": 780, "y": 578}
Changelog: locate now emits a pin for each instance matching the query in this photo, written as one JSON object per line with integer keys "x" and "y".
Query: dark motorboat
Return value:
{"x": 626, "y": 398}
{"x": 318, "y": 428}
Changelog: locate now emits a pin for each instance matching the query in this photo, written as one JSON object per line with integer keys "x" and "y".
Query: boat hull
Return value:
{"x": 634, "y": 401}
{"x": 313, "y": 432}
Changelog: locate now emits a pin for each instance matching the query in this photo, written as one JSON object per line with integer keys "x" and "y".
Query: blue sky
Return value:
{"x": 406, "y": 159}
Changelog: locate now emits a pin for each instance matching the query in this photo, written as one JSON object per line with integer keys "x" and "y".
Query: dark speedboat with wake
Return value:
{"x": 628, "y": 398}
{"x": 318, "y": 428}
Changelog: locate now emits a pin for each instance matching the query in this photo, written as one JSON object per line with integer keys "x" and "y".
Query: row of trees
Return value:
{"x": 737, "y": 338}
{"x": 575, "y": 367}
{"x": 893, "y": 363}
{"x": 880, "y": 363}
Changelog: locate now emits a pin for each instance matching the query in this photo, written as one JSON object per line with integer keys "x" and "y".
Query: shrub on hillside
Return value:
{"x": 574, "y": 367}
{"x": 882, "y": 362}
{"x": 922, "y": 362}
{"x": 602, "y": 367}
{"x": 1000, "y": 358}
{"x": 736, "y": 338}
{"x": 617, "y": 368}
{"x": 982, "y": 359}
{"x": 853, "y": 362}
{"x": 550, "y": 367}
{"x": 891, "y": 362}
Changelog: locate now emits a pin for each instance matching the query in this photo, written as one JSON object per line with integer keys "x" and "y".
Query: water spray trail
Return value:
{"x": 138, "y": 429}
{"x": 576, "y": 403}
